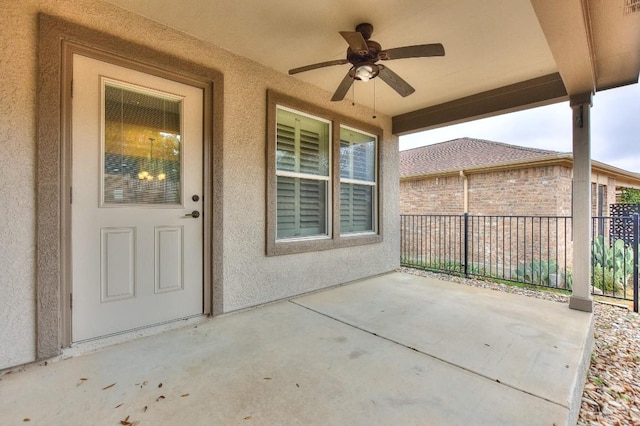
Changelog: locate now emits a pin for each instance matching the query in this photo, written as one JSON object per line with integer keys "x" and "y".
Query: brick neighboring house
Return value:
{"x": 486, "y": 178}
{"x": 483, "y": 177}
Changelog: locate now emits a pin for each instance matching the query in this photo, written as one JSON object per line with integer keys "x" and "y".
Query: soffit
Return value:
{"x": 489, "y": 44}
{"x": 500, "y": 55}
{"x": 595, "y": 43}
{"x": 616, "y": 40}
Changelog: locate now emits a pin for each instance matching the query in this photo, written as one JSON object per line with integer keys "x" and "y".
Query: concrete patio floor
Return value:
{"x": 393, "y": 349}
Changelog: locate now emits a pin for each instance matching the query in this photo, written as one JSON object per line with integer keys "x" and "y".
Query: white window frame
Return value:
{"x": 308, "y": 176}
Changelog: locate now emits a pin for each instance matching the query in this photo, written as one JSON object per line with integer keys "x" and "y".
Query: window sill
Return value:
{"x": 285, "y": 247}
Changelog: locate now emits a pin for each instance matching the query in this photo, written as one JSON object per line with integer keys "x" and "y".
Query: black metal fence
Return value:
{"x": 534, "y": 250}
{"x": 614, "y": 257}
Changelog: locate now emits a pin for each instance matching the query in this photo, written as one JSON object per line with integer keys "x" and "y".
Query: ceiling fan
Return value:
{"x": 363, "y": 54}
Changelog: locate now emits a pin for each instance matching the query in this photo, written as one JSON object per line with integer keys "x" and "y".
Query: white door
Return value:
{"x": 136, "y": 208}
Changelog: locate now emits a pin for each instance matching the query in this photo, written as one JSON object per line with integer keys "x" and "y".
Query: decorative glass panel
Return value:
{"x": 142, "y": 147}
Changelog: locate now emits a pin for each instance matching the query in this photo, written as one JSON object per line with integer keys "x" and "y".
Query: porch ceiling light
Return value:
{"x": 365, "y": 73}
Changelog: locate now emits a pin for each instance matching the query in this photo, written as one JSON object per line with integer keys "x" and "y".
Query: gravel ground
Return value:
{"x": 612, "y": 390}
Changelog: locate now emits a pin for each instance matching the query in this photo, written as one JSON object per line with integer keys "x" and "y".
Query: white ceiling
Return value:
{"x": 489, "y": 43}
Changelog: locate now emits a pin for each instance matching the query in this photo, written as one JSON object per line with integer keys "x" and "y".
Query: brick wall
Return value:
{"x": 539, "y": 191}
{"x": 442, "y": 195}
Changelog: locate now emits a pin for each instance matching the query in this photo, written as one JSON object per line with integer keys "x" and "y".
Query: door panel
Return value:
{"x": 118, "y": 263}
{"x": 137, "y": 162}
{"x": 169, "y": 265}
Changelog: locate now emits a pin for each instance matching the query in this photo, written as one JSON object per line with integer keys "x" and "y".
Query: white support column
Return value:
{"x": 581, "y": 297}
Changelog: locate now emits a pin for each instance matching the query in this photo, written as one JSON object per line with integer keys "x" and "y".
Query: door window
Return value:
{"x": 142, "y": 146}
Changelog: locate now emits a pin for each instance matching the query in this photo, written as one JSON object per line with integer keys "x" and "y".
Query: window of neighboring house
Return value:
{"x": 358, "y": 153}
{"x": 302, "y": 175}
{"x": 323, "y": 179}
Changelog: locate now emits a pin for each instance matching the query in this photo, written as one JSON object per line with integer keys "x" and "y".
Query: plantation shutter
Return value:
{"x": 357, "y": 181}
{"x": 356, "y": 205}
{"x": 302, "y": 173}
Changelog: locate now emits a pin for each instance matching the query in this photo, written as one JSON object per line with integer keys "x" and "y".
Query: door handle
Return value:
{"x": 194, "y": 214}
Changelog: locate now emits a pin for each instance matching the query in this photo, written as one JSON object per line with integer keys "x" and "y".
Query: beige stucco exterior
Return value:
{"x": 247, "y": 276}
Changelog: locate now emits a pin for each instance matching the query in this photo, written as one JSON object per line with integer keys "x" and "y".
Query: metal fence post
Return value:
{"x": 466, "y": 244}
{"x": 636, "y": 226}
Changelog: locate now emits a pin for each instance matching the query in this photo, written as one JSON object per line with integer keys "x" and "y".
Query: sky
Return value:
{"x": 615, "y": 129}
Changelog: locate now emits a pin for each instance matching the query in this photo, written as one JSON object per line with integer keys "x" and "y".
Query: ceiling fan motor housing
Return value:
{"x": 365, "y": 29}
{"x": 371, "y": 56}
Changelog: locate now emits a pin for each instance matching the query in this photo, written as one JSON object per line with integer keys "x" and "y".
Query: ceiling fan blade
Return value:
{"x": 403, "y": 88}
{"x": 418, "y": 51}
{"x": 318, "y": 65}
{"x": 356, "y": 41}
{"x": 343, "y": 88}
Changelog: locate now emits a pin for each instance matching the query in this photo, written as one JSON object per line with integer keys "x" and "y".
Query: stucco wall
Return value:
{"x": 17, "y": 173}
{"x": 250, "y": 278}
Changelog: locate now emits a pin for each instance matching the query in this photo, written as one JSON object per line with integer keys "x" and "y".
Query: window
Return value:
{"x": 302, "y": 175}
{"x": 323, "y": 181}
{"x": 141, "y": 150}
{"x": 358, "y": 152}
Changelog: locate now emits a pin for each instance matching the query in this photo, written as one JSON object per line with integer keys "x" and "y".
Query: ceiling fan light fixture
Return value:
{"x": 365, "y": 73}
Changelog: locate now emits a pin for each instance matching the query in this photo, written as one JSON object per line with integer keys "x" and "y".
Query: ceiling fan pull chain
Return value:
{"x": 374, "y": 98}
{"x": 353, "y": 94}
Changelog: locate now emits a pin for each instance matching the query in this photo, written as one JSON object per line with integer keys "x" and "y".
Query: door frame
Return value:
{"x": 58, "y": 41}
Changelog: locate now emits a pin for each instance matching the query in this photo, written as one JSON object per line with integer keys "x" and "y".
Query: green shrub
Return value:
{"x": 567, "y": 278}
{"x": 612, "y": 265}
{"x": 630, "y": 196}
{"x": 537, "y": 272}
{"x": 433, "y": 265}
{"x": 604, "y": 279}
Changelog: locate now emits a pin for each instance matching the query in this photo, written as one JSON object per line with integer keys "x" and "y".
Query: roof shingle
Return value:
{"x": 463, "y": 153}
